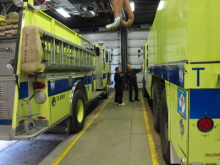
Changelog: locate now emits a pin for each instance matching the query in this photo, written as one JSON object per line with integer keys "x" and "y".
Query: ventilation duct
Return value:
{"x": 117, "y": 7}
{"x": 86, "y": 8}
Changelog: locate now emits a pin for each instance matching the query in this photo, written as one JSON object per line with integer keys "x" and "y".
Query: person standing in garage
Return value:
{"x": 118, "y": 86}
{"x": 131, "y": 81}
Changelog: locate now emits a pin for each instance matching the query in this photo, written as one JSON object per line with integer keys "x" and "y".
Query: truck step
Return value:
{"x": 33, "y": 134}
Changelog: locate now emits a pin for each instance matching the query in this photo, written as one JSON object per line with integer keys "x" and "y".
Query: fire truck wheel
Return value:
{"x": 145, "y": 94}
{"x": 150, "y": 102}
{"x": 78, "y": 112}
{"x": 158, "y": 88}
{"x": 105, "y": 94}
{"x": 165, "y": 144}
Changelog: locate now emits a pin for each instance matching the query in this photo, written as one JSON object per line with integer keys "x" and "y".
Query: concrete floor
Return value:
{"x": 117, "y": 136}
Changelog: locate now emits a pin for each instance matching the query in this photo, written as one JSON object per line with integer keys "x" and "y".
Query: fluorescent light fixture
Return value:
{"x": 63, "y": 12}
{"x": 92, "y": 12}
{"x": 132, "y": 6}
{"x": 161, "y": 5}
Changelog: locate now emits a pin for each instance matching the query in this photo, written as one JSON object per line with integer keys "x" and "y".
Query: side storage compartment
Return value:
{"x": 7, "y": 86}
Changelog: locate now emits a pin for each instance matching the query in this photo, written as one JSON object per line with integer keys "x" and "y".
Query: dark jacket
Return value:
{"x": 118, "y": 80}
{"x": 130, "y": 75}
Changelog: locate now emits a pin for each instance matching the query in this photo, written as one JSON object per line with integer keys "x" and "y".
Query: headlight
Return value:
{"x": 40, "y": 97}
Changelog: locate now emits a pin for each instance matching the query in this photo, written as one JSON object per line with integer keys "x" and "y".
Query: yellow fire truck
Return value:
{"x": 182, "y": 71}
{"x": 48, "y": 75}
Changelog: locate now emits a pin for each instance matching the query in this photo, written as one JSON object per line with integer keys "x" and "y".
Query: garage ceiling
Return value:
{"x": 144, "y": 14}
{"x": 92, "y": 15}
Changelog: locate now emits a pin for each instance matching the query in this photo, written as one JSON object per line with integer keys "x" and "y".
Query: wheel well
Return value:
{"x": 79, "y": 85}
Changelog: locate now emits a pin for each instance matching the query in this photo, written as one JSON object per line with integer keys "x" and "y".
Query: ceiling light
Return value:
{"x": 18, "y": 3}
{"x": 92, "y": 12}
{"x": 63, "y": 12}
{"x": 132, "y": 6}
{"x": 74, "y": 13}
{"x": 161, "y": 5}
{"x": 88, "y": 14}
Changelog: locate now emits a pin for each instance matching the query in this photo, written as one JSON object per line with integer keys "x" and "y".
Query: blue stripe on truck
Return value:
{"x": 204, "y": 103}
{"x": 89, "y": 80}
{"x": 23, "y": 92}
{"x": 5, "y": 122}
{"x": 59, "y": 86}
{"x": 171, "y": 73}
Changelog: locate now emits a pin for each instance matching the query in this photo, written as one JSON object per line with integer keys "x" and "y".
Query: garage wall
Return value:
{"x": 136, "y": 41}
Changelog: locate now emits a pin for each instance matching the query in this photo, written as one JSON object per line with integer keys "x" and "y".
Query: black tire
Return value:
{"x": 105, "y": 94}
{"x": 165, "y": 144}
{"x": 145, "y": 94}
{"x": 158, "y": 88}
{"x": 150, "y": 102}
{"x": 77, "y": 119}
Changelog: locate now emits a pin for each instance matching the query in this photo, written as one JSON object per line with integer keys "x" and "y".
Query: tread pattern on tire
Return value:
{"x": 76, "y": 126}
{"x": 165, "y": 144}
{"x": 158, "y": 88}
{"x": 144, "y": 89}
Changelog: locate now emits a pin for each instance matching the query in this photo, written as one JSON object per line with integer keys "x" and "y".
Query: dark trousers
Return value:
{"x": 118, "y": 94}
{"x": 130, "y": 87}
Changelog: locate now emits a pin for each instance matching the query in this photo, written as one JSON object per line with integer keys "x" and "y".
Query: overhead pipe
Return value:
{"x": 130, "y": 15}
{"x": 117, "y": 7}
{"x": 124, "y": 47}
{"x": 114, "y": 25}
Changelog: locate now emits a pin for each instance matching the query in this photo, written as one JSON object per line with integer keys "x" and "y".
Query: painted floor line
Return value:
{"x": 67, "y": 149}
{"x": 149, "y": 134}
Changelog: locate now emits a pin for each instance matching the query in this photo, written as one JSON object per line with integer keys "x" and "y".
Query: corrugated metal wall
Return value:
{"x": 136, "y": 42}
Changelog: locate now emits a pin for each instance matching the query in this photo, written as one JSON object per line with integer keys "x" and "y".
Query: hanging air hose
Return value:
{"x": 117, "y": 7}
